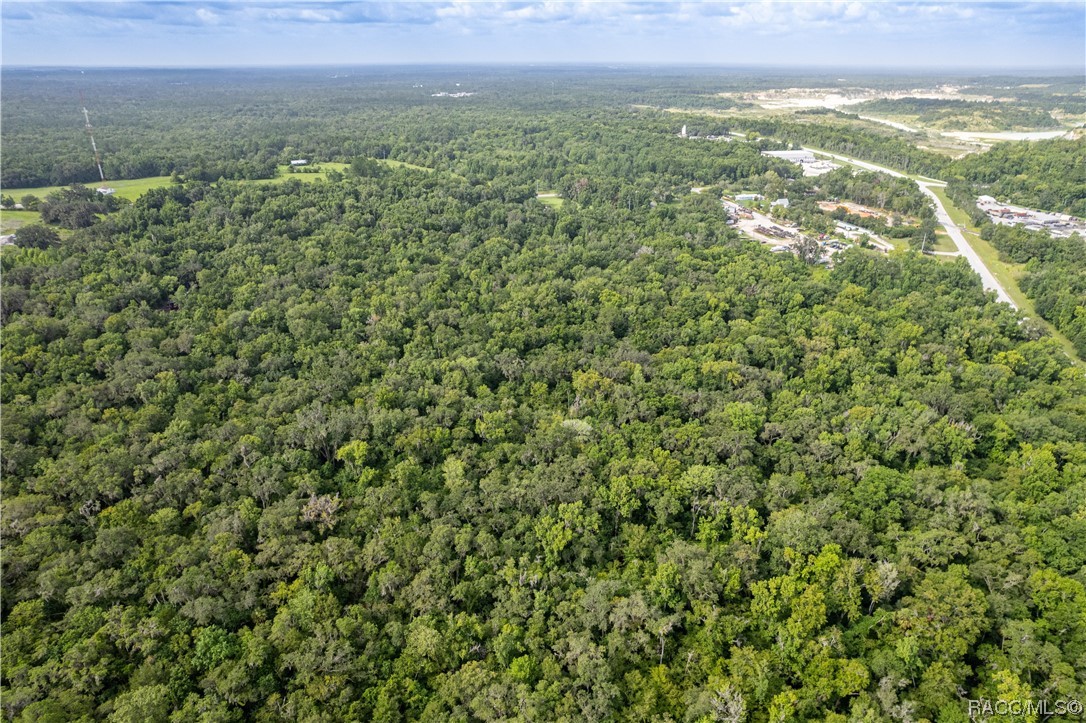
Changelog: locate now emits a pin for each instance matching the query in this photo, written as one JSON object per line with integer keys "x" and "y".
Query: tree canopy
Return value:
{"x": 405, "y": 445}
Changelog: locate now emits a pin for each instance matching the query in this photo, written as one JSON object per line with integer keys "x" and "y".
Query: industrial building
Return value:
{"x": 799, "y": 157}
{"x": 811, "y": 165}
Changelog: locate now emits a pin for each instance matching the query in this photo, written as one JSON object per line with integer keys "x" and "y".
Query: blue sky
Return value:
{"x": 833, "y": 33}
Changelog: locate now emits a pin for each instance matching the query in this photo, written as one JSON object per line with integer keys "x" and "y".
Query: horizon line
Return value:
{"x": 610, "y": 65}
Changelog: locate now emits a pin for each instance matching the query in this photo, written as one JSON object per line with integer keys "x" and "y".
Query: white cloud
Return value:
{"x": 299, "y": 14}
{"x": 621, "y": 30}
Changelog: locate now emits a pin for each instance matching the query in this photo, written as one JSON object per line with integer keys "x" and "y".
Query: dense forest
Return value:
{"x": 958, "y": 114}
{"x": 236, "y": 124}
{"x": 833, "y": 131}
{"x": 528, "y": 145}
{"x": 405, "y": 445}
{"x": 1063, "y": 95}
{"x": 907, "y": 213}
{"x": 1055, "y": 281}
{"x": 1045, "y": 175}
{"x": 1054, "y": 277}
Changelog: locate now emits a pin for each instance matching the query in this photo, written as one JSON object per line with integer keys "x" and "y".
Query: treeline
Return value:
{"x": 909, "y": 213}
{"x": 185, "y": 132}
{"x": 963, "y": 114}
{"x": 1065, "y": 94}
{"x": 237, "y": 124}
{"x": 412, "y": 447}
{"x": 869, "y": 145}
{"x": 881, "y": 190}
{"x": 1057, "y": 288}
{"x": 1055, "y": 281}
{"x": 66, "y": 169}
{"x": 1045, "y": 175}
{"x": 77, "y": 206}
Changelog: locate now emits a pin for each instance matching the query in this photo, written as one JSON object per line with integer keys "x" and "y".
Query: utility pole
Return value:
{"x": 90, "y": 133}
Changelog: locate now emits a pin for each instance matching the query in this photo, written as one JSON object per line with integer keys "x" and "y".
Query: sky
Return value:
{"x": 835, "y": 33}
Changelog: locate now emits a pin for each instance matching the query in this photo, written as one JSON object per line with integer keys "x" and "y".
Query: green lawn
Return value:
{"x": 1006, "y": 273}
{"x": 401, "y": 164}
{"x": 550, "y": 198}
{"x": 321, "y": 170}
{"x": 942, "y": 242}
{"x": 130, "y": 189}
{"x": 134, "y": 188}
{"x": 12, "y": 220}
{"x": 316, "y": 172}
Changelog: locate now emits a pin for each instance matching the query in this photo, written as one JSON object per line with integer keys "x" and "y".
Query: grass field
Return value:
{"x": 326, "y": 168}
{"x": 134, "y": 188}
{"x": 130, "y": 189}
{"x": 401, "y": 164}
{"x": 306, "y": 176}
{"x": 550, "y": 198}
{"x": 1006, "y": 273}
{"x": 12, "y": 220}
{"x": 942, "y": 242}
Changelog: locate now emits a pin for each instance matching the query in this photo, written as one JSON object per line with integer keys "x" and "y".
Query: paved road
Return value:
{"x": 965, "y": 249}
{"x": 856, "y": 162}
{"x": 955, "y": 233}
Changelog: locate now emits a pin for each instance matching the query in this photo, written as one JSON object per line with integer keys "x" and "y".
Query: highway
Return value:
{"x": 987, "y": 278}
{"x": 956, "y": 235}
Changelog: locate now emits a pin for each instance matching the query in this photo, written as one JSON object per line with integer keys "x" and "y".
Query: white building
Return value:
{"x": 792, "y": 156}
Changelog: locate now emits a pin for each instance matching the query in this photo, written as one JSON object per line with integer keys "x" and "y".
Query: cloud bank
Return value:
{"x": 843, "y": 32}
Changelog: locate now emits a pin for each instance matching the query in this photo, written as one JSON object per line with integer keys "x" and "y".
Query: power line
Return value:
{"x": 90, "y": 133}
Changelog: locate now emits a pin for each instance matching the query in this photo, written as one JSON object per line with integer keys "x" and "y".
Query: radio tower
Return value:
{"x": 90, "y": 133}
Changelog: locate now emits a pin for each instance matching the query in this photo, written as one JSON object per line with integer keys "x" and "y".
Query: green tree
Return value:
{"x": 36, "y": 236}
